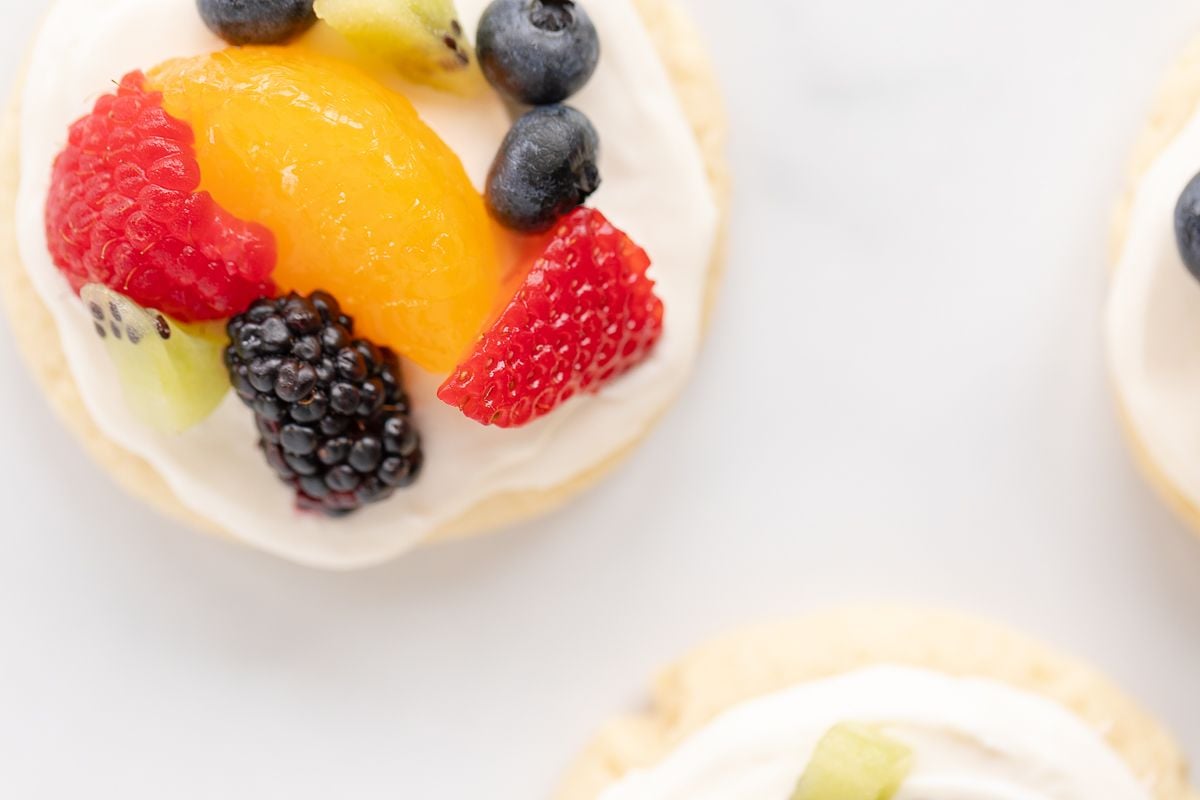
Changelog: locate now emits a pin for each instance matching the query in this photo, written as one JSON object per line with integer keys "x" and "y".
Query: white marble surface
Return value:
{"x": 904, "y": 399}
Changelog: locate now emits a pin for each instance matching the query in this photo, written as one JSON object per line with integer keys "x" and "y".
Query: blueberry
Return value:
{"x": 537, "y": 52}
{"x": 545, "y": 168}
{"x": 257, "y": 21}
{"x": 1187, "y": 226}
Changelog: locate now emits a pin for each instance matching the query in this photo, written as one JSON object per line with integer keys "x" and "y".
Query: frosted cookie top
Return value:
{"x": 959, "y": 739}
{"x": 655, "y": 192}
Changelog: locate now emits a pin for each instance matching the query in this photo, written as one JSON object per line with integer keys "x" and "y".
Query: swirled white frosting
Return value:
{"x": 1154, "y": 322}
{"x": 655, "y": 188}
{"x": 971, "y": 740}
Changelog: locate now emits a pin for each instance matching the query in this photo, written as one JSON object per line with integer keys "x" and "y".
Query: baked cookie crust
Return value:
{"x": 771, "y": 657}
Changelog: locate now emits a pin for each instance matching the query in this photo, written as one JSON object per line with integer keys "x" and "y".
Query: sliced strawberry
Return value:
{"x": 585, "y": 314}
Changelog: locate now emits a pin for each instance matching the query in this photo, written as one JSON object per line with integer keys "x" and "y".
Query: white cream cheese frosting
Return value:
{"x": 655, "y": 188}
{"x": 1154, "y": 322}
{"x": 971, "y": 739}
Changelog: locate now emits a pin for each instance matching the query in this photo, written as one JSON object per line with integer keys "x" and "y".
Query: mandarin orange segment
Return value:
{"x": 365, "y": 200}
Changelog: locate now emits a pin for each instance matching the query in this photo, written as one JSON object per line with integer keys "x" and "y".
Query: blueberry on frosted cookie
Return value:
{"x": 1153, "y": 314}
{"x": 306, "y": 301}
{"x": 881, "y": 704}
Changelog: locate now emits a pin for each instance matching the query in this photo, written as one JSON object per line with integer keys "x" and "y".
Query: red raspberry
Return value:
{"x": 585, "y": 314}
{"x": 123, "y": 211}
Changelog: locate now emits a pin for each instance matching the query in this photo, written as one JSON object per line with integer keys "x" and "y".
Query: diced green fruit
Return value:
{"x": 854, "y": 762}
{"x": 173, "y": 374}
{"x": 423, "y": 39}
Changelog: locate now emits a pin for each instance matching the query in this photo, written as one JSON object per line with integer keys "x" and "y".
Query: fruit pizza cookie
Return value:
{"x": 334, "y": 278}
{"x": 1153, "y": 315}
{"x": 882, "y": 704}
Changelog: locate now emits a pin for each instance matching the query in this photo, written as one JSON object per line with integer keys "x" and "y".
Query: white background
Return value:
{"x": 903, "y": 399}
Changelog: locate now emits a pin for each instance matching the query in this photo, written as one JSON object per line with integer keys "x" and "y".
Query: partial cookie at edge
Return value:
{"x": 682, "y": 51}
{"x": 1176, "y": 102}
{"x": 771, "y": 657}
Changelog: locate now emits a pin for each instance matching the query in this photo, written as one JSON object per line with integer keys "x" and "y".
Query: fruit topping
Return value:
{"x": 853, "y": 762}
{"x": 171, "y": 372}
{"x": 545, "y": 168}
{"x": 331, "y": 408}
{"x": 124, "y": 211}
{"x": 537, "y": 52}
{"x": 365, "y": 201}
{"x": 257, "y": 21}
{"x": 422, "y": 39}
{"x": 586, "y": 314}
{"x": 1187, "y": 226}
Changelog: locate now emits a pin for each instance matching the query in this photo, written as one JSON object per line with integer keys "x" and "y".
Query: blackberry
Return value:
{"x": 331, "y": 409}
